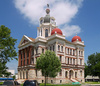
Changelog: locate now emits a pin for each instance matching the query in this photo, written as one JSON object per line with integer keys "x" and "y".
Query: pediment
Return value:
{"x": 25, "y": 39}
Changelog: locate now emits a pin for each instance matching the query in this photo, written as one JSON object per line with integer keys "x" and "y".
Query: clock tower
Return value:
{"x": 47, "y": 24}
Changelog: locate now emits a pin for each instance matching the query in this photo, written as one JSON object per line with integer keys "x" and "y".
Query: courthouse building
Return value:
{"x": 50, "y": 37}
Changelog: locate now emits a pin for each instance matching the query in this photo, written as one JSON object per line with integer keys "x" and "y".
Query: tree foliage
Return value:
{"x": 3, "y": 70}
{"x": 49, "y": 64}
{"x": 7, "y": 49}
{"x": 93, "y": 64}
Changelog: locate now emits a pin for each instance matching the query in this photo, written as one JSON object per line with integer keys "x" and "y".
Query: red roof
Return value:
{"x": 75, "y": 38}
{"x": 56, "y": 30}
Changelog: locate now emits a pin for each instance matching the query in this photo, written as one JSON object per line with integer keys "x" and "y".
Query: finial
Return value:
{"x": 76, "y": 34}
{"x": 47, "y": 10}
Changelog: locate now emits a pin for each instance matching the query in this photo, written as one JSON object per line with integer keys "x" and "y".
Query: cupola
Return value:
{"x": 56, "y": 30}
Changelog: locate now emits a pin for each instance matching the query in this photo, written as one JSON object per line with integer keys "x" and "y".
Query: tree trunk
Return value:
{"x": 45, "y": 81}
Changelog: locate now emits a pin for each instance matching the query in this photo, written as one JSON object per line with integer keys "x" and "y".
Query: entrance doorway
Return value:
{"x": 70, "y": 74}
{"x": 66, "y": 74}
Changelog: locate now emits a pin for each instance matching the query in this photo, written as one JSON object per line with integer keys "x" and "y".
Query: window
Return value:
{"x": 51, "y": 81}
{"x": 73, "y": 52}
{"x": 81, "y": 72}
{"x": 53, "y": 48}
{"x": 60, "y": 58}
{"x": 32, "y": 51}
{"x": 60, "y": 73}
{"x": 27, "y": 61}
{"x": 42, "y": 81}
{"x": 70, "y": 60}
{"x": 62, "y": 48}
{"x": 46, "y": 33}
{"x": 60, "y": 81}
{"x": 36, "y": 72}
{"x": 24, "y": 54}
{"x": 79, "y": 53}
{"x": 80, "y": 61}
{"x": 23, "y": 76}
{"x": 27, "y": 53}
{"x": 21, "y": 62}
{"x": 59, "y": 47}
{"x": 42, "y": 50}
{"x": 70, "y": 51}
{"x": 73, "y": 61}
{"x": 75, "y": 74}
{"x": 50, "y": 48}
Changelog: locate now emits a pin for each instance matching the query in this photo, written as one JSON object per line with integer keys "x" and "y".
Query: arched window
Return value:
{"x": 46, "y": 33}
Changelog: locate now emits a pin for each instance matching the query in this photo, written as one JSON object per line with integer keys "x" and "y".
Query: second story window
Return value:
{"x": 27, "y": 53}
{"x": 70, "y": 51}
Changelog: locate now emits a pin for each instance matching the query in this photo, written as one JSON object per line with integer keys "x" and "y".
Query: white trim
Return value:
{"x": 27, "y": 38}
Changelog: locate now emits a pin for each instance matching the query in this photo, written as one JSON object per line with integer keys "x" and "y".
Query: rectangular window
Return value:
{"x": 70, "y": 60}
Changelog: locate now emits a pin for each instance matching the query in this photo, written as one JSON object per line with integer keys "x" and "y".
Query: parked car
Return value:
{"x": 31, "y": 83}
{"x": 11, "y": 83}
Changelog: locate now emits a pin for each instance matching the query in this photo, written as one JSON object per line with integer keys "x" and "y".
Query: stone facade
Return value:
{"x": 71, "y": 54}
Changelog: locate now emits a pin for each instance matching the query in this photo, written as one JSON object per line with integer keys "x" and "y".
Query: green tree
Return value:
{"x": 7, "y": 48}
{"x": 14, "y": 77}
{"x": 49, "y": 64}
{"x": 3, "y": 70}
{"x": 94, "y": 64}
{"x": 87, "y": 71}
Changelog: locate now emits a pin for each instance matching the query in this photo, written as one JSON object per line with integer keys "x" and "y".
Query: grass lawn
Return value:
{"x": 92, "y": 82}
{"x": 1, "y": 83}
{"x": 59, "y": 85}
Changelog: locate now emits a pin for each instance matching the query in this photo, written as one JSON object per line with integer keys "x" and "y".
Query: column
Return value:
{"x": 25, "y": 56}
{"x": 30, "y": 50}
{"x": 19, "y": 60}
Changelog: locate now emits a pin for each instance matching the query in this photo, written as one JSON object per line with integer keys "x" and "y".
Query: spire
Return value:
{"x": 47, "y": 10}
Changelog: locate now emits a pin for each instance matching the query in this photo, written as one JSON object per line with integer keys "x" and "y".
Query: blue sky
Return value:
{"x": 22, "y": 18}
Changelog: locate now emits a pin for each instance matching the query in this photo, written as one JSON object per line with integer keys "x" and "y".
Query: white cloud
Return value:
{"x": 63, "y": 10}
{"x": 71, "y": 30}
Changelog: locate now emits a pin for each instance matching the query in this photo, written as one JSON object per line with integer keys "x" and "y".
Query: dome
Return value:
{"x": 56, "y": 30}
{"x": 76, "y": 38}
